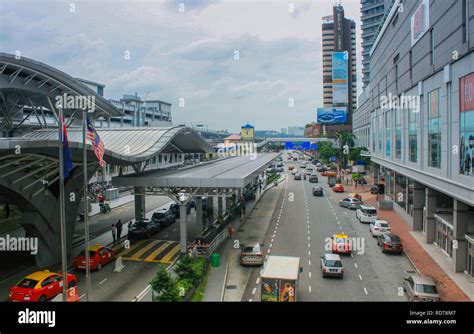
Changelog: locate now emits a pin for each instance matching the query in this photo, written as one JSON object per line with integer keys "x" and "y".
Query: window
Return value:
{"x": 379, "y": 130}
{"x": 466, "y": 125}
{"x": 373, "y": 135}
{"x": 434, "y": 130}
{"x": 412, "y": 135}
{"x": 398, "y": 133}
{"x": 387, "y": 134}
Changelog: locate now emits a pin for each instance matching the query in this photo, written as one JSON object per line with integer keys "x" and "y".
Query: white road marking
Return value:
{"x": 309, "y": 262}
{"x": 266, "y": 257}
{"x": 254, "y": 290}
{"x": 340, "y": 227}
{"x": 268, "y": 251}
{"x": 82, "y": 296}
{"x": 352, "y": 255}
{"x": 309, "y": 253}
{"x": 273, "y": 236}
{"x": 250, "y": 299}
{"x": 309, "y": 274}
{"x": 103, "y": 281}
{"x": 309, "y": 288}
{"x": 355, "y": 265}
{"x": 309, "y": 238}
{"x": 272, "y": 240}
{"x": 365, "y": 290}
{"x": 309, "y": 245}
{"x": 309, "y": 232}
{"x": 271, "y": 245}
{"x": 360, "y": 277}
{"x": 257, "y": 281}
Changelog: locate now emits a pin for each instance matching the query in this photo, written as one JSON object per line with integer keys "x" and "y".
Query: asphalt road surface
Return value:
{"x": 304, "y": 224}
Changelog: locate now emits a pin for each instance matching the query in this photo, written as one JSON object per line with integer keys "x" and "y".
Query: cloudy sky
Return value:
{"x": 186, "y": 54}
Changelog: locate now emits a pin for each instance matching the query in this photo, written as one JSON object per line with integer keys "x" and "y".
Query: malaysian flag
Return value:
{"x": 97, "y": 143}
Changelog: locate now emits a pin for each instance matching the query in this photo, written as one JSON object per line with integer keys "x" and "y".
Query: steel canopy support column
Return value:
{"x": 460, "y": 229}
{"x": 220, "y": 205}
{"x": 182, "y": 227}
{"x": 199, "y": 220}
{"x": 430, "y": 202}
{"x": 418, "y": 204}
{"x": 139, "y": 203}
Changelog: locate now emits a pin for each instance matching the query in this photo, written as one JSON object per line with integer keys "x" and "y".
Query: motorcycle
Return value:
{"x": 105, "y": 208}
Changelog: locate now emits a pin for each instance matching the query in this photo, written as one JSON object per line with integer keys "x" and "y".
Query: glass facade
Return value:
{"x": 466, "y": 125}
{"x": 412, "y": 135}
{"x": 379, "y": 132}
{"x": 387, "y": 134}
{"x": 401, "y": 190}
{"x": 398, "y": 133}
{"x": 434, "y": 129}
{"x": 373, "y": 134}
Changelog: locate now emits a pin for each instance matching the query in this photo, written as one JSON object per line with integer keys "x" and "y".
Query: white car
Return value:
{"x": 366, "y": 214}
{"x": 294, "y": 171}
{"x": 379, "y": 227}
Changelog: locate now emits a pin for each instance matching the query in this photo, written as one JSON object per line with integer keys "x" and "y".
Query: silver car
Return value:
{"x": 421, "y": 288}
{"x": 331, "y": 265}
{"x": 251, "y": 254}
{"x": 350, "y": 203}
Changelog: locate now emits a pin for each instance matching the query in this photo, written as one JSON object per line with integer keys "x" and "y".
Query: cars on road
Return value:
{"x": 338, "y": 188}
{"x": 379, "y": 227}
{"x": 99, "y": 256}
{"x": 390, "y": 243}
{"x": 294, "y": 172}
{"x": 280, "y": 169}
{"x": 251, "y": 254}
{"x": 313, "y": 178}
{"x": 350, "y": 203}
{"x": 143, "y": 229}
{"x": 164, "y": 217}
{"x": 341, "y": 244}
{"x": 331, "y": 265}
{"x": 356, "y": 195}
{"x": 366, "y": 214}
{"x": 298, "y": 176}
{"x": 174, "y": 208}
{"x": 377, "y": 189}
{"x": 421, "y": 288}
{"x": 291, "y": 167}
{"x": 40, "y": 286}
{"x": 318, "y": 191}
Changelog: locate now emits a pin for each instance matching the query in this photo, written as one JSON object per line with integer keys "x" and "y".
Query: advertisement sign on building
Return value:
{"x": 327, "y": 116}
{"x": 420, "y": 21}
{"x": 340, "y": 78}
{"x": 466, "y": 125}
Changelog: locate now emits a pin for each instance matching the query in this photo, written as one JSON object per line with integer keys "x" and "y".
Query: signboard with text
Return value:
{"x": 304, "y": 145}
{"x": 340, "y": 78}
{"x": 329, "y": 116}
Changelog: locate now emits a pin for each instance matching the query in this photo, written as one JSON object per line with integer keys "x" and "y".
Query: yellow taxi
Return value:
{"x": 341, "y": 244}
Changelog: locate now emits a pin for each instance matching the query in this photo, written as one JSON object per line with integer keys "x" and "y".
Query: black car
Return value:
{"x": 142, "y": 229}
{"x": 390, "y": 243}
{"x": 318, "y": 191}
{"x": 297, "y": 176}
{"x": 163, "y": 217}
{"x": 377, "y": 189}
{"x": 174, "y": 208}
{"x": 313, "y": 178}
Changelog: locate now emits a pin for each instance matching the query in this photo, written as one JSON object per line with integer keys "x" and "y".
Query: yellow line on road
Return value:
{"x": 135, "y": 245}
{"x": 142, "y": 251}
{"x": 151, "y": 257}
{"x": 171, "y": 253}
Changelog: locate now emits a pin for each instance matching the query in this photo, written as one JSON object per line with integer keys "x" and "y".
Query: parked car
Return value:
{"x": 251, "y": 254}
{"x": 164, "y": 217}
{"x": 302, "y": 166}
{"x": 390, "y": 243}
{"x": 379, "y": 227}
{"x": 297, "y": 176}
{"x": 331, "y": 265}
{"x": 366, "y": 214}
{"x": 350, "y": 203}
{"x": 99, "y": 256}
{"x": 143, "y": 229}
{"x": 174, "y": 208}
{"x": 40, "y": 286}
{"x": 294, "y": 172}
{"x": 291, "y": 167}
{"x": 332, "y": 182}
{"x": 338, "y": 188}
{"x": 318, "y": 191}
{"x": 377, "y": 189}
{"x": 421, "y": 288}
{"x": 280, "y": 169}
{"x": 356, "y": 195}
{"x": 313, "y": 178}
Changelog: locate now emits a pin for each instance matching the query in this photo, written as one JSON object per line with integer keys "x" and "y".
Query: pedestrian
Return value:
{"x": 231, "y": 232}
{"x": 130, "y": 225}
{"x": 119, "y": 229}
{"x": 355, "y": 184}
{"x": 114, "y": 233}
{"x": 6, "y": 208}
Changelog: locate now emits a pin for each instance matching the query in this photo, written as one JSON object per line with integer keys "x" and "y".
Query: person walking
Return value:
{"x": 114, "y": 233}
{"x": 119, "y": 229}
{"x": 130, "y": 225}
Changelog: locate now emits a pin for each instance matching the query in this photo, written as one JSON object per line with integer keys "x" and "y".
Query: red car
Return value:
{"x": 98, "y": 257}
{"x": 338, "y": 188}
{"x": 40, "y": 286}
{"x": 341, "y": 244}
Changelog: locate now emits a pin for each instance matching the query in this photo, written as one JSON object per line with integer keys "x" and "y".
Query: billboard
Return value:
{"x": 304, "y": 145}
{"x": 329, "y": 116}
{"x": 340, "y": 78}
{"x": 420, "y": 21}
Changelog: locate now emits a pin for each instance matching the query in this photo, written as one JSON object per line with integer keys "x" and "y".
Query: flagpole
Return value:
{"x": 86, "y": 211}
{"x": 62, "y": 213}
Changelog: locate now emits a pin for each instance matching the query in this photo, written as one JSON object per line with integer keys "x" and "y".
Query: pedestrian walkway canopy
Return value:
{"x": 235, "y": 172}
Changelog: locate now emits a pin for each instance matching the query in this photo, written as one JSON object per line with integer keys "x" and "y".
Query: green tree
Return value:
{"x": 326, "y": 150}
{"x": 344, "y": 138}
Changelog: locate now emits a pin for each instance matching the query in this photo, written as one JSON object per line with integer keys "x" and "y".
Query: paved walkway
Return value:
{"x": 416, "y": 251}
{"x": 218, "y": 277}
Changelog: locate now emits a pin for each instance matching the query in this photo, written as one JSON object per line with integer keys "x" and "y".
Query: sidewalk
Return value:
{"x": 116, "y": 202}
{"x": 416, "y": 252}
{"x": 218, "y": 277}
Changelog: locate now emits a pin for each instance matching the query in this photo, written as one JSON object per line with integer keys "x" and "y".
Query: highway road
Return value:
{"x": 303, "y": 224}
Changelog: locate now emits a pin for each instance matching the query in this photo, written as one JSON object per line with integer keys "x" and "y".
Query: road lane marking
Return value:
{"x": 309, "y": 253}
{"x": 308, "y": 232}
{"x": 271, "y": 245}
{"x": 355, "y": 265}
{"x": 309, "y": 288}
{"x": 157, "y": 251}
{"x": 254, "y": 290}
{"x": 310, "y": 274}
{"x": 309, "y": 262}
{"x": 340, "y": 227}
{"x": 365, "y": 290}
{"x": 360, "y": 277}
{"x": 273, "y": 236}
{"x": 272, "y": 240}
{"x": 257, "y": 281}
{"x": 309, "y": 238}
{"x": 142, "y": 251}
{"x": 352, "y": 255}
{"x": 103, "y": 281}
{"x": 309, "y": 245}
{"x": 167, "y": 257}
{"x": 268, "y": 251}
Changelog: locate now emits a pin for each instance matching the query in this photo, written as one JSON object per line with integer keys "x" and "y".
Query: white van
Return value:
{"x": 366, "y": 214}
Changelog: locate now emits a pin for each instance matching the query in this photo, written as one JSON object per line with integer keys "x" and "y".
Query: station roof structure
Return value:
{"x": 235, "y": 172}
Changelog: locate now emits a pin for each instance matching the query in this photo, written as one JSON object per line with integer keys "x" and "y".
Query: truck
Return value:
{"x": 279, "y": 279}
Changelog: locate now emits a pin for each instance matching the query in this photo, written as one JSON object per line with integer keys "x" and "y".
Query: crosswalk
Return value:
{"x": 149, "y": 250}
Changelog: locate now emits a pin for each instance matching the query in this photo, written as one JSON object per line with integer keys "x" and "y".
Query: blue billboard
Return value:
{"x": 304, "y": 145}
{"x": 329, "y": 116}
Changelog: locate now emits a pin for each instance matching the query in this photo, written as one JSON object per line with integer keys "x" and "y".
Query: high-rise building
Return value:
{"x": 372, "y": 13}
{"x": 339, "y": 66}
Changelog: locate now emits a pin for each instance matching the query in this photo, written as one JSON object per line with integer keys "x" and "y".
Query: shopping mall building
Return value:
{"x": 416, "y": 117}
